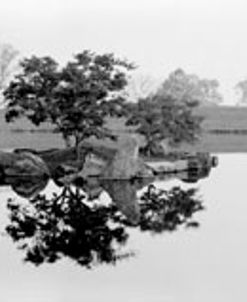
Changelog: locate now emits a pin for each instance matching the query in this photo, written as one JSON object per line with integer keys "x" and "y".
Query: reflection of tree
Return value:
{"x": 65, "y": 226}
{"x": 163, "y": 210}
{"x": 68, "y": 224}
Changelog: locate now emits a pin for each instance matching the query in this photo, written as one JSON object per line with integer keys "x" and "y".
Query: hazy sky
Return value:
{"x": 206, "y": 37}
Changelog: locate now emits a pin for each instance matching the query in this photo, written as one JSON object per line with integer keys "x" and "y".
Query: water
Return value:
{"x": 189, "y": 264}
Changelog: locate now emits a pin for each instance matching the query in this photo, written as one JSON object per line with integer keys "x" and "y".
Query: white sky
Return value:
{"x": 206, "y": 37}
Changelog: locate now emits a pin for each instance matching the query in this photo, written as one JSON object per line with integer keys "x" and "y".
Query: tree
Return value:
{"x": 189, "y": 87}
{"x": 141, "y": 86}
{"x": 7, "y": 58}
{"x": 241, "y": 88}
{"x": 160, "y": 118}
{"x": 75, "y": 98}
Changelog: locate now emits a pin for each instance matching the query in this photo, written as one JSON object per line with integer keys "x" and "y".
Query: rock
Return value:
{"x": 114, "y": 161}
{"x": 119, "y": 161}
{"x": 126, "y": 163}
{"x": 93, "y": 166}
{"x": 7, "y": 159}
{"x": 181, "y": 165}
{"x": 89, "y": 153}
{"x": 161, "y": 166}
{"x": 57, "y": 157}
{"x": 24, "y": 164}
{"x": 64, "y": 174}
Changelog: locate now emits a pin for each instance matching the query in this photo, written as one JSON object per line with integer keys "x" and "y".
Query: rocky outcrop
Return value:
{"x": 119, "y": 161}
{"x": 113, "y": 161}
{"x": 126, "y": 162}
{"x": 20, "y": 164}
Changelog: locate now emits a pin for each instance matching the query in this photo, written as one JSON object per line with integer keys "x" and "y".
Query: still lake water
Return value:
{"x": 208, "y": 263}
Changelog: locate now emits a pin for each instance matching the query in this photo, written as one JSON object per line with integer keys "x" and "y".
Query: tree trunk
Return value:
{"x": 77, "y": 146}
{"x": 67, "y": 141}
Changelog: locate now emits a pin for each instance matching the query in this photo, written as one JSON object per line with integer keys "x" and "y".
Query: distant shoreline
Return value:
{"x": 224, "y": 131}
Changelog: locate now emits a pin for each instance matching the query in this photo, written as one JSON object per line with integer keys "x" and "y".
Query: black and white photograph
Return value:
{"x": 123, "y": 151}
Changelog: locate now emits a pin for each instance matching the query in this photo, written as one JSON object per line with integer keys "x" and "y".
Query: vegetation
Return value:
{"x": 76, "y": 98}
{"x": 161, "y": 118}
{"x": 241, "y": 89}
{"x": 189, "y": 87}
{"x": 7, "y": 55}
{"x": 8, "y": 65}
{"x": 79, "y": 97}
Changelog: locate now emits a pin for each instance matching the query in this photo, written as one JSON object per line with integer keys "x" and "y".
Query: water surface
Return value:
{"x": 190, "y": 264}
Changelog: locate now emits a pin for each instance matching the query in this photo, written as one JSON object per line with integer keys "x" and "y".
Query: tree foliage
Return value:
{"x": 241, "y": 89}
{"x": 190, "y": 88}
{"x": 75, "y": 98}
{"x": 161, "y": 118}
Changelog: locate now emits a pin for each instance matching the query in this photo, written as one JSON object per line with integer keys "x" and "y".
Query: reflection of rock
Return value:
{"x": 92, "y": 186}
{"x": 27, "y": 164}
{"x": 124, "y": 194}
{"x": 27, "y": 187}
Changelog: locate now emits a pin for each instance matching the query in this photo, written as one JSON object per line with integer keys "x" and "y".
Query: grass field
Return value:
{"x": 224, "y": 130}
{"x": 230, "y": 123}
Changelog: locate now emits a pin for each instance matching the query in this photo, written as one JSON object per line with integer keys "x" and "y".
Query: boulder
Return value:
{"x": 93, "y": 166}
{"x": 98, "y": 159}
{"x": 64, "y": 174}
{"x": 23, "y": 164}
{"x": 126, "y": 163}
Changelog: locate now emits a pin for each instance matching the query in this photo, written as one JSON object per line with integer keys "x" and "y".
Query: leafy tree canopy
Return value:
{"x": 190, "y": 88}
{"x": 161, "y": 118}
{"x": 75, "y": 98}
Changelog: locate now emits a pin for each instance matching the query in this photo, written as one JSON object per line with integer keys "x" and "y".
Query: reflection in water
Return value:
{"x": 163, "y": 210}
{"x": 89, "y": 232}
{"x": 124, "y": 194}
{"x": 74, "y": 223}
{"x": 49, "y": 228}
{"x": 27, "y": 187}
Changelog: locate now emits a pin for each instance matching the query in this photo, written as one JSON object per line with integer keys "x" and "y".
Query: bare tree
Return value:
{"x": 8, "y": 56}
{"x": 241, "y": 90}
{"x": 141, "y": 86}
